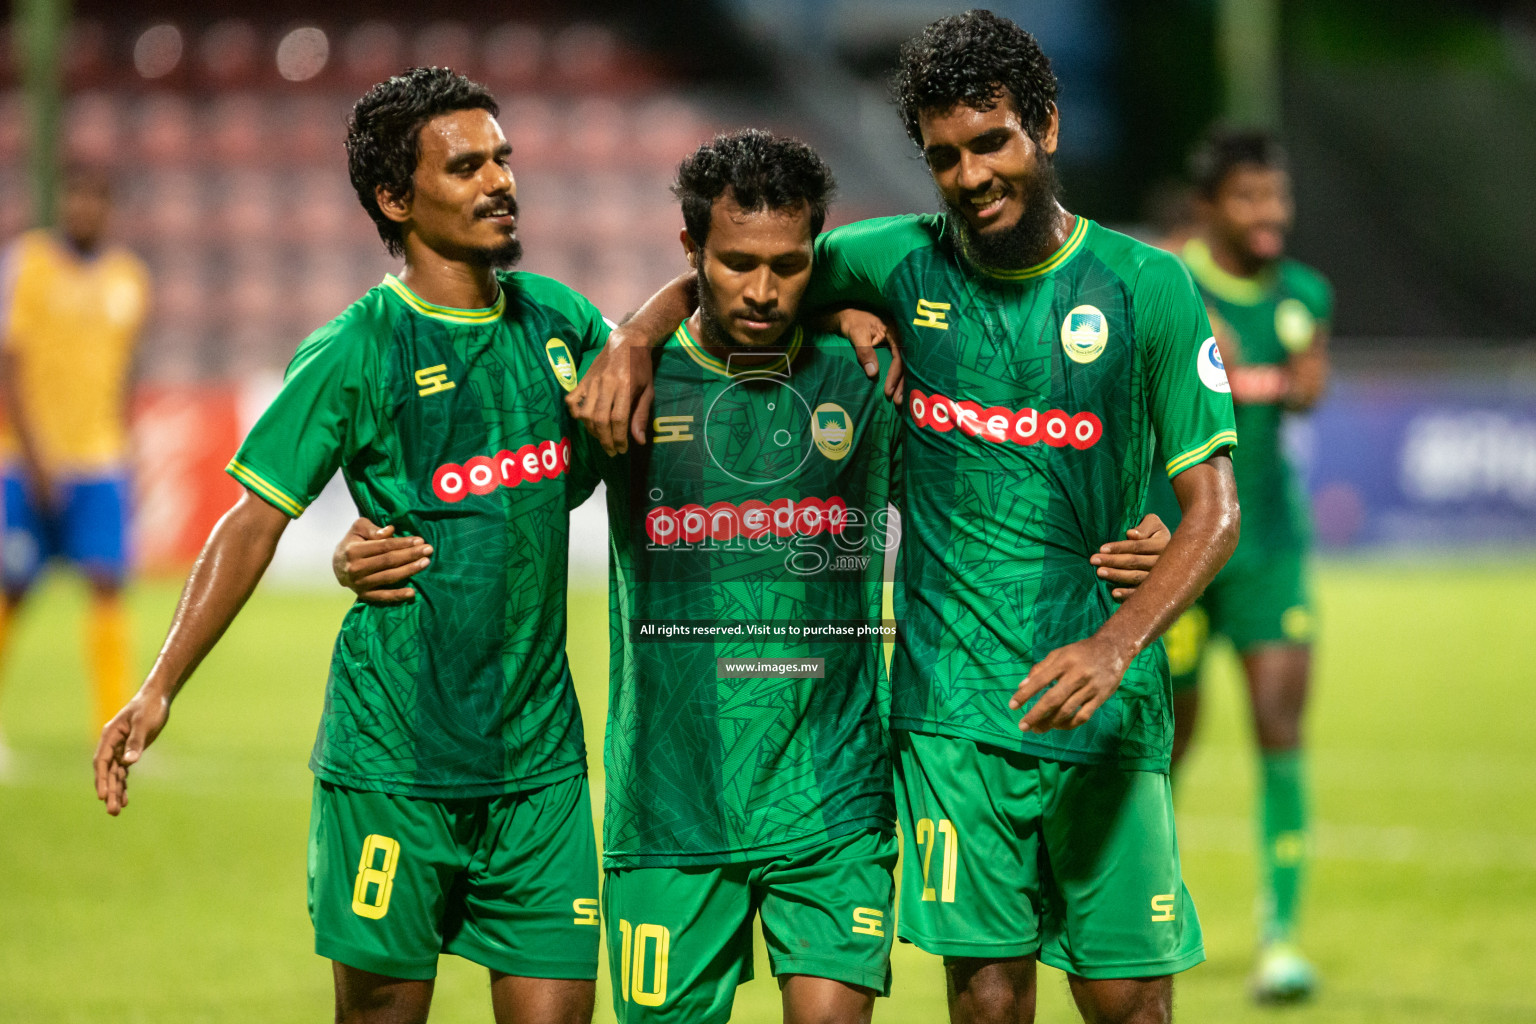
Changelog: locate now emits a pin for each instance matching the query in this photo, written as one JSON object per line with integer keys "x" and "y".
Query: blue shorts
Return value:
{"x": 87, "y": 525}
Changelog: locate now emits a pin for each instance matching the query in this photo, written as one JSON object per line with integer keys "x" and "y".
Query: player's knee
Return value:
{"x": 812, "y": 1000}
{"x": 366, "y": 998}
{"x": 1125, "y": 1001}
{"x": 991, "y": 991}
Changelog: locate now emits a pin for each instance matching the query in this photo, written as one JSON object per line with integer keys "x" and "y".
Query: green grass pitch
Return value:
{"x": 190, "y": 908}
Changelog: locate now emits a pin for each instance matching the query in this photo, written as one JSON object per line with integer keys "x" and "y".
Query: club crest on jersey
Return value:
{"x": 1294, "y": 325}
{"x": 1084, "y": 333}
{"x": 561, "y": 362}
{"x": 831, "y": 430}
{"x": 1213, "y": 372}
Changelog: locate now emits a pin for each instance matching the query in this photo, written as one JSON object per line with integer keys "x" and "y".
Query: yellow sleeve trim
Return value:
{"x": 1179, "y": 463}
{"x": 273, "y": 494}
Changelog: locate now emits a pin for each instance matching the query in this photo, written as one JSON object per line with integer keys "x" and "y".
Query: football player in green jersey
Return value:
{"x": 451, "y": 810}
{"x": 1042, "y": 352}
{"x": 1272, "y": 316}
{"x": 762, "y": 503}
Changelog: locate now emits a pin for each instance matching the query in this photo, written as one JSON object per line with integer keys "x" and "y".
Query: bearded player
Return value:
{"x": 1042, "y": 352}
{"x": 763, "y": 502}
{"x": 451, "y": 810}
{"x": 1272, "y": 315}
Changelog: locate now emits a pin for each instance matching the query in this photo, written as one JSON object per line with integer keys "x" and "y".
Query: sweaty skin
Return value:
{"x": 458, "y": 215}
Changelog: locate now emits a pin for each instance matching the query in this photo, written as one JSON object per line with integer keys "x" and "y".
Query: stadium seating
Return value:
{"x": 233, "y": 185}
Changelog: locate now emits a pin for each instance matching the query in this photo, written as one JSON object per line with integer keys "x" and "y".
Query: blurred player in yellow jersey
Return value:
{"x": 70, "y": 311}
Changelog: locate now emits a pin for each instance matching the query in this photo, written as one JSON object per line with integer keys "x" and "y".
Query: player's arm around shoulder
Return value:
{"x": 226, "y": 571}
{"x": 613, "y": 399}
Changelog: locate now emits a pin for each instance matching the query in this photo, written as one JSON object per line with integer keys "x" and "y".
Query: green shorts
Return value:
{"x": 507, "y": 881}
{"x": 1252, "y": 602}
{"x": 1008, "y": 855}
{"x": 680, "y": 938}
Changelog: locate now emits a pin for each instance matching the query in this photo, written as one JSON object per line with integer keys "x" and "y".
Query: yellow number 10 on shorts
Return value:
{"x": 648, "y": 988}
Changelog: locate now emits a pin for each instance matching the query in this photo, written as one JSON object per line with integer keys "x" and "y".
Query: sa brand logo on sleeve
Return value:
{"x": 931, "y": 314}
{"x": 1213, "y": 372}
{"x": 1084, "y": 333}
{"x": 561, "y": 362}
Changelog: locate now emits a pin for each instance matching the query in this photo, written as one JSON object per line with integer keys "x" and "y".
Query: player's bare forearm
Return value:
{"x": 1079, "y": 678}
{"x": 226, "y": 571}
{"x": 611, "y": 400}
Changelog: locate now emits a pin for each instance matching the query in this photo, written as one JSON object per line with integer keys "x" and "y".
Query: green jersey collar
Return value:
{"x": 448, "y": 314}
{"x": 1240, "y": 291}
{"x": 1054, "y": 261}
{"x": 699, "y": 354}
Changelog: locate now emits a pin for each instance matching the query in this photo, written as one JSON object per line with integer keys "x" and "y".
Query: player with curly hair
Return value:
{"x": 1043, "y": 353}
{"x": 450, "y": 809}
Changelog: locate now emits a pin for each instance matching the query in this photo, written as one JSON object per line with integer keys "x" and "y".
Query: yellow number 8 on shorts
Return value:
{"x": 380, "y": 876}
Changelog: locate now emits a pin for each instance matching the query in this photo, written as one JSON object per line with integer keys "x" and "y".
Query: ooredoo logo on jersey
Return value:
{"x": 484, "y": 473}
{"x": 750, "y": 520}
{"x": 1000, "y": 425}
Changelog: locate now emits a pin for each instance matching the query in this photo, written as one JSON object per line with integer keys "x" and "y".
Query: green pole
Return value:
{"x": 1248, "y": 44}
{"x": 39, "y": 36}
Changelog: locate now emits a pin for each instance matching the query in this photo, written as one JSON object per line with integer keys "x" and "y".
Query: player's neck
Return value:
{"x": 1233, "y": 260}
{"x": 1049, "y": 241}
{"x": 450, "y": 283}
{"x": 718, "y": 343}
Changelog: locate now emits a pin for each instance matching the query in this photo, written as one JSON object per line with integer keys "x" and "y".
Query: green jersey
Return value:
{"x": 448, "y": 424}
{"x": 1268, "y": 319}
{"x": 1032, "y": 399}
{"x": 757, "y": 520}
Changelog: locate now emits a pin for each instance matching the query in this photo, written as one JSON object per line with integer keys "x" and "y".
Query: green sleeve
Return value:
{"x": 593, "y": 327}
{"x": 853, "y": 262}
{"x": 319, "y": 420}
{"x": 589, "y": 463}
{"x": 1313, "y": 289}
{"x": 588, "y": 333}
{"x": 1186, "y": 385}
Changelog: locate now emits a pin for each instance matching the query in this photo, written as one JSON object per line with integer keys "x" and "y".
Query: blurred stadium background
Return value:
{"x": 1412, "y": 130}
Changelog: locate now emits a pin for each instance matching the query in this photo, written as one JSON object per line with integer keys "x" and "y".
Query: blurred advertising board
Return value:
{"x": 1423, "y": 461}
{"x": 183, "y": 435}
{"x": 1429, "y": 460}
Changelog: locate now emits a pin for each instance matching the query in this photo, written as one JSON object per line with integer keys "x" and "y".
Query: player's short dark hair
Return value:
{"x": 1224, "y": 150}
{"x": 978, "y": 59}
{"x": 384, "y": 134}
{"x": 763, "y": 171}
